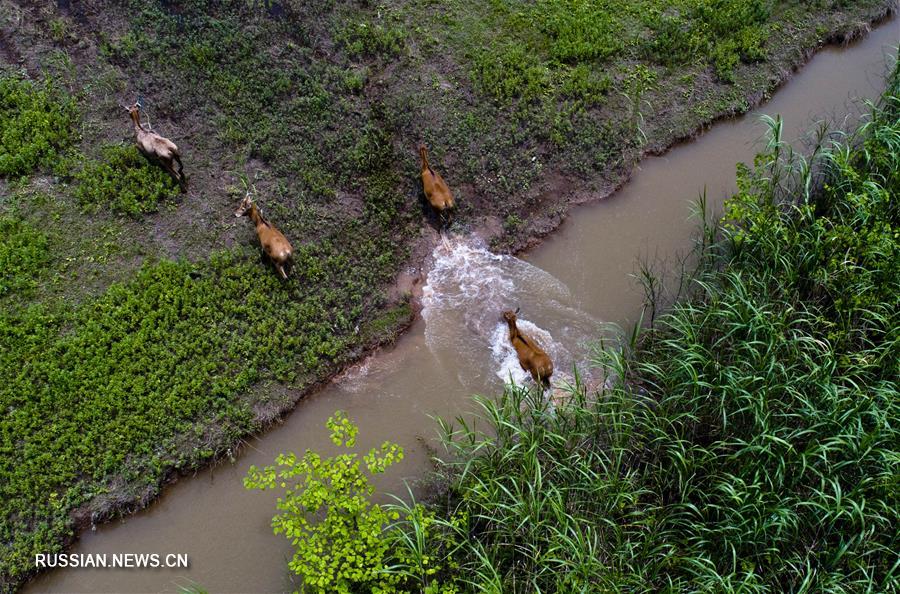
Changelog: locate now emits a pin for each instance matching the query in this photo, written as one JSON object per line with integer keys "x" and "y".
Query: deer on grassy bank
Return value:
{"x": 155, "y": 147}
{"x": 273, "y": 241}
{"x": 436, "y": 190}
{"x": 532, "y": 357}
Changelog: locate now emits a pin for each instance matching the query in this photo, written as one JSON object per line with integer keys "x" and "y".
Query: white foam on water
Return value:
{"x": 467, "y": 290}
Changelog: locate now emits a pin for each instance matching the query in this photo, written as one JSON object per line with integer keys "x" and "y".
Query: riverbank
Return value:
{"x": 191, "y": 227}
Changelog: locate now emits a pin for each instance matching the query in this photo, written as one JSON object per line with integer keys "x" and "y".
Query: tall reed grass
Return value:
{"x": 747, "y": 442}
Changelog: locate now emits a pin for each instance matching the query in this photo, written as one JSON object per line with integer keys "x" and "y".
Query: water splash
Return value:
{"x": 466, "y": 291}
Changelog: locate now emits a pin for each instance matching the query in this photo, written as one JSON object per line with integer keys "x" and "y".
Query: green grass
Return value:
{"x": 562, "y": 36}
{"x": 303, "y": 117}
{"x": 747, "y": 442}
{"x": 36, "y": 122}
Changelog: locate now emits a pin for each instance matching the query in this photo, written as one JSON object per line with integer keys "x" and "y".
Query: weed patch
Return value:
{"x": 124, "y": 181}
{"x": 23, "y": 255}
{"x": 37, "y": 121}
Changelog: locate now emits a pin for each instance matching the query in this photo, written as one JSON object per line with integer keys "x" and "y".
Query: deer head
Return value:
{"x": 245, "y": 207}
{"x": 509, "y": 316}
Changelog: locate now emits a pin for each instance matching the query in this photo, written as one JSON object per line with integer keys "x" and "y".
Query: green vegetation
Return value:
{"x": 130, "y": 385}
{"x": 339, "y": 535}
{"x": 125, "y": 181}
{"x": 746, "y": 442}
{"x": 299, "y": 115}
{"x": 328, "y": 554}
{"x": 137, "y": 346}
{"x": 23, "y": 254}
{"x": 36, "y": 122}
{"x": 568, "y": 40}
{"x": 724, "y": 32}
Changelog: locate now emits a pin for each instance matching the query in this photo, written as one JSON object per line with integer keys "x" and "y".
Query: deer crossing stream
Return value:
{"x": 568, "y": 288}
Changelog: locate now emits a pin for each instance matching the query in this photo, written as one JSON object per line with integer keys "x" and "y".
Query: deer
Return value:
{"x": 155, "y": 147}
{"x": 436, "y": 190}
{"x": 532, "y": 357}
{"x": 274, "y": 243}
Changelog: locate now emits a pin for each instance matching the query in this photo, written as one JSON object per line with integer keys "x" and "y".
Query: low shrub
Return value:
{"x": 508, "y": 70}
{"x": 370, "y": 37}
{"x": 579, "y": 31}
{"x": 327, "y": 514}
{"x": 24, "y": 254}
{"x": 37, "y": 121}
{"x": 724, "y": 32}
{"x": 124, "y": 181}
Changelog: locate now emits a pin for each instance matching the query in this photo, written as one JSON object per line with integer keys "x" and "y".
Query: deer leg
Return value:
{"x": 280, "y": 269}
{"x": 180, "y": 176}
{"x": 166, "y": 164}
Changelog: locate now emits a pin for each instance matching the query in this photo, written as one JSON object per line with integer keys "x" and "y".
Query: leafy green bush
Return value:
{"x": 124, "y": 181}
{"x": 553, "y": 47}
{"x": 327, "y": 514}
{"x": 23, "y": 254}
{"x": 37, "y": 120}
{"x": 582, "y": 82}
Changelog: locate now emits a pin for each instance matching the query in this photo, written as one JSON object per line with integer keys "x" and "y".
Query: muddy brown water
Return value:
{"x": 568, "y": 288}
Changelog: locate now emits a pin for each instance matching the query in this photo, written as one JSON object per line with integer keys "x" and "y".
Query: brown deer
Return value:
{"x": 436, "y": 189}
{"x": 273, "y": 241}
{"x": 532, "y": 357}
{"x": 156, "y": 148}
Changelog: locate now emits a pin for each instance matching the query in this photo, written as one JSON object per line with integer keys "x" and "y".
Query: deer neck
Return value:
{"x": 256, "y": 216}
{"x": 136, "y": 119}
{"x": 513, "y": 329}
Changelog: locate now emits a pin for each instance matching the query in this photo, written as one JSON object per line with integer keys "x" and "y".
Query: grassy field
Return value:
{"x": 747, "y": 442}
{"x": 140, "y": 331}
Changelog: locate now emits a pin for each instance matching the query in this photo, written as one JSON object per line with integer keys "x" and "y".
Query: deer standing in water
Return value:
{"x": 273, "y": 241}
{"x": 436, "y": 190}
{"x": 532, "y": 357}
{"x": 156, "y": 148}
